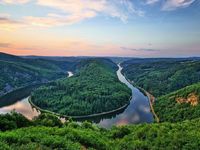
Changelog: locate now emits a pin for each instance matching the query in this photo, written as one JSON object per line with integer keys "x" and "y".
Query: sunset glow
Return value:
{"x": 135, "y": 28}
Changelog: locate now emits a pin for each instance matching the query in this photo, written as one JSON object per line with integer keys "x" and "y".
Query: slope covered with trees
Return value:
{"x": 19, "y": 72}
{"x": 162, "y": 76}
{"x": 94, "y": 77}
{"x": 47, "y": 132}
{"x": 95, "y": 88}
{"x": 179, "y": 105}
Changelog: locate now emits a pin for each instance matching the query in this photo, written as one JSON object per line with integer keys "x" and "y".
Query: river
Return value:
{"x": 138, "y": 111}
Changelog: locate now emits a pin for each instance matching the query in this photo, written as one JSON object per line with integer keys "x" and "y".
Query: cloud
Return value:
{"x": 57, "y": 20}
{"x": 74, "y": 11}
{"x": 4, "y": 20}
{"x": 7, "y": 23}
{"x": 5, "y": 45}
{"x": 13, "y": 1}
{"x": 139, "y": 49}
{"x": 131, "y": 8}
{"x": 170, "y": 5}
{"x": 149, "y": 2}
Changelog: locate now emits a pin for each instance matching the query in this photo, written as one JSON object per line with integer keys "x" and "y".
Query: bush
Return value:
{"x": 48, "y": 120}
{"x": 13, "y": 120}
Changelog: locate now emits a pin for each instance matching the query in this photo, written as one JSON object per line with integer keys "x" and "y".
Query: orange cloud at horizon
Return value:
{"x": 41, "y": 42}
{"x": 70, "y": 49}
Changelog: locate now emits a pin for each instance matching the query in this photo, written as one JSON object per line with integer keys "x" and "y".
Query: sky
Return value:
{"x": 133, "y": 28}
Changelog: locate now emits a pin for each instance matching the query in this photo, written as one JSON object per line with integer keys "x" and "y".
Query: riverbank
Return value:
{"x": 78, "y": 117}
{"x": 151, "y": 99}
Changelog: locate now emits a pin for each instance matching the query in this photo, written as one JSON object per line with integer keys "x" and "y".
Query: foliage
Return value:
{"x": 94, "y": 89}
{"x": 47, "y": 120}
{"x": 13, "y": 121}
{"x": 167, "y": 108}
{"x": 162, "y": 76}
{"x": 184, "y": 135}
{"x": 20, "y": 72}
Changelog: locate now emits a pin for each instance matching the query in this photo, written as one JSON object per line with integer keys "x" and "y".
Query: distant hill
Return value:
{"x": 95, "y": 88}
{"x": 8, "y": 57}
{"x": 56, "y": 58}
{"x": 160, "y": 76}
{"x": 180, "y": 105}
{"x": 19, "y": 72}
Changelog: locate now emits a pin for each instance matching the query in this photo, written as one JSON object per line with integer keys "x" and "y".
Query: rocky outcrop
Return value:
{"x": 192, "y": 99}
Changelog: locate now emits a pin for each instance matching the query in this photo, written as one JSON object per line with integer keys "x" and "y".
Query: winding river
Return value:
{"x": 138, "y": 111}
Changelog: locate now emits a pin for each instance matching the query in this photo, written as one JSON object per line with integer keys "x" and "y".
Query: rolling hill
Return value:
{"x": 180, "y": 105}
{"x": 95, "y": 88}
{"x": 19, "y": 72}
{"x": 160, "y": 76}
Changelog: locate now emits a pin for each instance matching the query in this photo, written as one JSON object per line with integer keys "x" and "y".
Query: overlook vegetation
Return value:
{"x": 47, "y": 132}
{"x": 94, "y": 89}
{"x": 179, "y": 105}
{"x": 19, "y": 72}
{"x": 162, "y": 76}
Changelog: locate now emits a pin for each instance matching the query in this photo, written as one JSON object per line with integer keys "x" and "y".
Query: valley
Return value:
{"x": 96, "y": 86}
{"x": 99, "y": 75}
{"x": 136, "y": 111}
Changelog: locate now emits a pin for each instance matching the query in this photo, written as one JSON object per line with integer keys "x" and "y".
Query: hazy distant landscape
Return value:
{"x": 99, "y": 75}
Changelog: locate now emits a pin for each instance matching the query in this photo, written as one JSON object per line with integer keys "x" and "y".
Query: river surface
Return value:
{"x": 138, "y": 111}
{"x": 70, "y": 74}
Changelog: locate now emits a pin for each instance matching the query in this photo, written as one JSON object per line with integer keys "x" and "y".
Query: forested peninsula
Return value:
{"x": 95, "y": 88}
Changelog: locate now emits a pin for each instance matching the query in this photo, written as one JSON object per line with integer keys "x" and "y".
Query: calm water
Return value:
{"x": 21, "y": 106}
{"x": 138, "y": 111}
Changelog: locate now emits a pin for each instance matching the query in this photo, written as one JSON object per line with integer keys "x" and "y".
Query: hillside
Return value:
{"x": 179, "y": 105}
{"x": 47, "y": 132}
{"x": 19, "y": 72}
{"x": 95, "y": 88}
{"x": 162, "y": 76}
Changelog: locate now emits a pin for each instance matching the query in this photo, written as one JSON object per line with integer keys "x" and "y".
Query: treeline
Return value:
{"x": 162, "y": 76}
{"x": 180, "y": 105}
{"x": 47, "y": 132}
{"x": 94, "y": 89}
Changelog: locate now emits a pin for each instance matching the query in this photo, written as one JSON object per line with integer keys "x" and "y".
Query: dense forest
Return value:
{"x": 179, "y": 105}
{"x": 162, "y": 76}
{"x": 174, "y": 81}
{"x": 47, "y": 132}
{"x": 19, "y": 72}
{"x": 95, "y": 88}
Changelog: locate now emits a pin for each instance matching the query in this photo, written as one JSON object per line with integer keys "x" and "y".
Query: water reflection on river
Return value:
{"x": 138, "y": 111}
{"x": 70, "y": 74}
{"x": 22, "y": 107}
